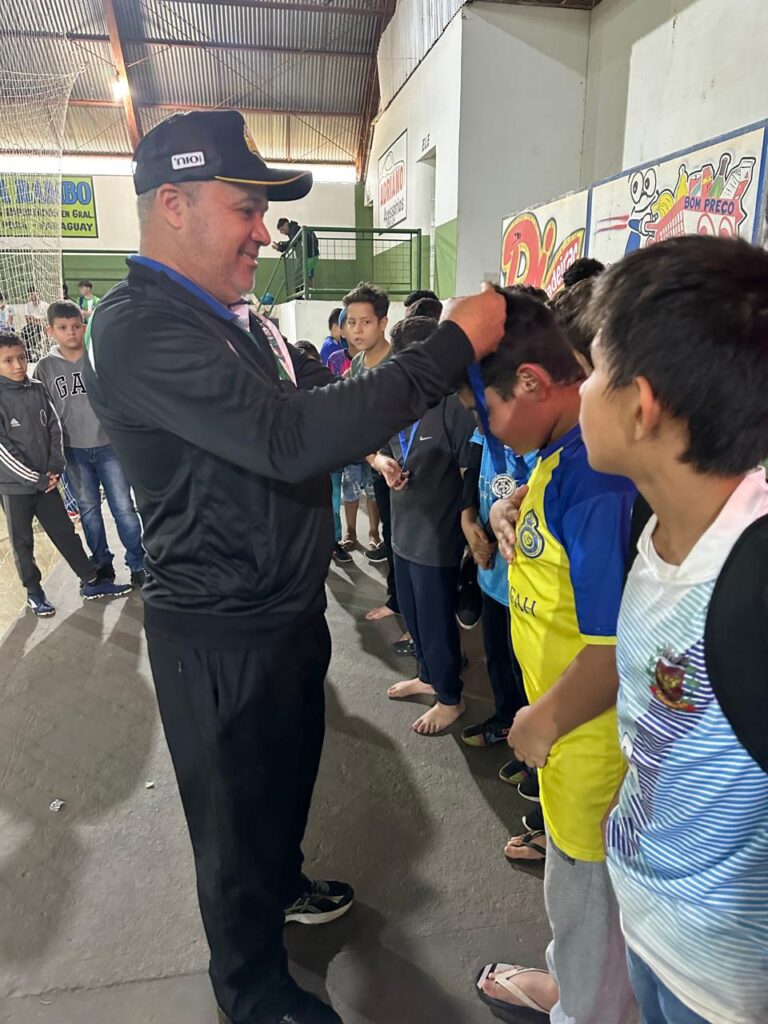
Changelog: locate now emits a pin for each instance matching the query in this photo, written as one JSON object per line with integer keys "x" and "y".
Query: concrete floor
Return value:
{"x": 97, "y": 904}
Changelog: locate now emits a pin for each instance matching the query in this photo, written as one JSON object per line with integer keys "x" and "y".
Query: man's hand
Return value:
{"x": 532, "y": 737}
{"x": 53, "y": 482}
{"x": 504, "y": 516}
{"x": 481, "y": 547}
{"x": 481, "y": 317}
{"x": 392, "y": 472}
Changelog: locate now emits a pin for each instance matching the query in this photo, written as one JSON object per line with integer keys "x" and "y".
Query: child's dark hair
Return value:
{"x": 63, "y": 309}
{"x": 569, "y": 307}
{"x": 529, "y": 289}
{"x": 411, "y": 330}
{"x": 531, "y": 335}
{"x": 306, "y": 346}
{"x": 10, "y": 340}
{"x": 581, "y": 270}
{"x": 371, "y": 294}
{"x": 85, "y": 284}
{"x": 691, "y": 316}
{"x": 421, "y": 293}
{"x": 333, "y": 319}
{"x": 431, "y": 308}
{"x": 283, "y": 220}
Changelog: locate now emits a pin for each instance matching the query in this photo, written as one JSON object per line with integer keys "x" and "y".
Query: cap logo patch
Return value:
{"x": 180, "y": 161}
{"x": 250, "y": 142}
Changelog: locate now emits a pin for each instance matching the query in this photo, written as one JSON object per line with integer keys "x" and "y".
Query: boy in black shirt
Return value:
{"x": 31, "y": 464}
{"x": 423, "y": 466}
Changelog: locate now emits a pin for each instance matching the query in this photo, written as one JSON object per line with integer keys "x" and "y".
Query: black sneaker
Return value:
{"x": 406, "y": 647}
{"x": 139, "y": 578}
{"x": 529, "y": 788}
{"x": 376, "y": 554}
{"x": 302, "y": 1008}
{"x": 534, "y": 821}
{"x": 40, "y": 605}
{"x": 514, "y": 772}
{"x": 106, "y": 572}
{"x": 486, "y": 733}
{"x": 340, "y": 555}
{"x": 321, "y": 903}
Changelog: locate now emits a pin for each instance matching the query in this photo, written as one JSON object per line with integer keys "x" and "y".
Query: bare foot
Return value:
{"x": 409, "y": 688}
{"x": 529, "y": 846}
{"x": 406, "y": 636}
{"x": 438, "y": 719}
{"x": 379, "y": 613}
{"x": 538, "y": 987}
{"x": 374, "y": 541}
{"x": 349, "y": 542}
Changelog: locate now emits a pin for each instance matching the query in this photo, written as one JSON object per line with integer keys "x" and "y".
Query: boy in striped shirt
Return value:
{"x": 677, "y": 404}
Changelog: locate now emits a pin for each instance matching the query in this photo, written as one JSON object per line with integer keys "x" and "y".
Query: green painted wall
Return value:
{"x": 446, "y": 237}
{"x": 103, "y": 268}
{"x": 394, "y": 269}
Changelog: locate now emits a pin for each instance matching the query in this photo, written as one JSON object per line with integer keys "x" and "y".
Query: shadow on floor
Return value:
{"x": 72, "y": 728}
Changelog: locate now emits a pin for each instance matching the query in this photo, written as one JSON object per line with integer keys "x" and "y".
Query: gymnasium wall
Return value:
{"x": 523, "y": 91}
{"x": 642, "y": 97}
{"x": 427, "y": 107}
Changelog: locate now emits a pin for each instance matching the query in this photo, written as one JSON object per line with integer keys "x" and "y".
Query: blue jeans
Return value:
{"x": 657, "y": 1004}
{"x": 336, "y": 492}
{"x": 87, "y": 470}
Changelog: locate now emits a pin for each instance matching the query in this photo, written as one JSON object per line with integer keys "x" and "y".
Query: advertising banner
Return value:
{"x": 29, "y": 205}
{"x": 539, "y": 245}
{"x": 715, "y": 188}
{"x": 711, "y": 190}
{"x": 393, "y": 191}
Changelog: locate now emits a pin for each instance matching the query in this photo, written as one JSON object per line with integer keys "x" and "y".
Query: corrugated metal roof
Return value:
{"x": 96, "y": 130}
{"x": 314, "y": 64}
{"x": 291, "y": 137}
{"x": 86, "y": 16}
{"x": 250, "y": 79}
{"x": 156, "y": 19}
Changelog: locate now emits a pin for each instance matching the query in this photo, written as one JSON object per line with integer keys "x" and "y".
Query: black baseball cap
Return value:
{"x": 210, "y": 145}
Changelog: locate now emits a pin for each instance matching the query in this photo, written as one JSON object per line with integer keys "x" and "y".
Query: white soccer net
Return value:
{"x": 33, "y": 108}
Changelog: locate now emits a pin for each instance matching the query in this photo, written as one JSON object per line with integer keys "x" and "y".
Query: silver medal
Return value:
{"x": 503, "y": 486}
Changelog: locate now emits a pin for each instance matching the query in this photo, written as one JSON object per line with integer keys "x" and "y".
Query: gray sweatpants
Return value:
{"x": 586, "y": 957}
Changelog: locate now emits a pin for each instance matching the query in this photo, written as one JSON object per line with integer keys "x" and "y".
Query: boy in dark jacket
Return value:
{"x": 31, "y": 463}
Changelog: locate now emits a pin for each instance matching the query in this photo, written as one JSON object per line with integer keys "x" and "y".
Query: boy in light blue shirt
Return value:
{"x": 677, "y": 404}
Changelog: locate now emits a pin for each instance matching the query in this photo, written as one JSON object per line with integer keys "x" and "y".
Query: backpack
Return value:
{"x": 736, "y": 632}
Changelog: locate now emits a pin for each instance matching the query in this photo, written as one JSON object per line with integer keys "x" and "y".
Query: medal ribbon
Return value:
{"x": 406, "y": 445}
{"x": 495, "y": 447}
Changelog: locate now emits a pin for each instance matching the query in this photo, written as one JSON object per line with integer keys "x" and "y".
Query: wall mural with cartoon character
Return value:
{"x": 715, "y": 189}
{"x": 539, "y": 245}
{"x": 712, "y": 190}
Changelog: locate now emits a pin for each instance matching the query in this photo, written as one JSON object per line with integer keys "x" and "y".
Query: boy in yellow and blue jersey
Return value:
{"x": 565, "y": 586}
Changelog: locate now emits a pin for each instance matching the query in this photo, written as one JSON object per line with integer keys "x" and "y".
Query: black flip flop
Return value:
{"x": 529, "y": 839}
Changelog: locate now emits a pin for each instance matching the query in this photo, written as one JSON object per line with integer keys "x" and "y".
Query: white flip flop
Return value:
{"x": 504, "y": 975}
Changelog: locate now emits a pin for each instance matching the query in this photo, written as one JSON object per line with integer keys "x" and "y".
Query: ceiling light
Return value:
{"x": 120, "y": 87}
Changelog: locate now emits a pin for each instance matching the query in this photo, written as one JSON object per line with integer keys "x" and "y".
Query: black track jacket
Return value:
{"x": 229, "y": 465}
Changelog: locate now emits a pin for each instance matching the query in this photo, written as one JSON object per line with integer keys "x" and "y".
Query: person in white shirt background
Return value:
{"x": 7, "y": 314}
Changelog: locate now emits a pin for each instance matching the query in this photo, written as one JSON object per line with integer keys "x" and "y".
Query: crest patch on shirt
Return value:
{"x": 528, "y": 536}
{"x": 673, "y": 681}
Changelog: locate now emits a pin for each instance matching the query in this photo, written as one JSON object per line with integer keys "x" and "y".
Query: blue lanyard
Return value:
{"x": 495, "y": 447}
{"x": 406, "y": 445}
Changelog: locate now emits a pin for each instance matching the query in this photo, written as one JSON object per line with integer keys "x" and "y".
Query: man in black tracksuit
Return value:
{"x": 227, "y": 436}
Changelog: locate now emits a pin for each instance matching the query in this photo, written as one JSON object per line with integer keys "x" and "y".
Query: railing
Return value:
{"x": 325, "y": 263}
